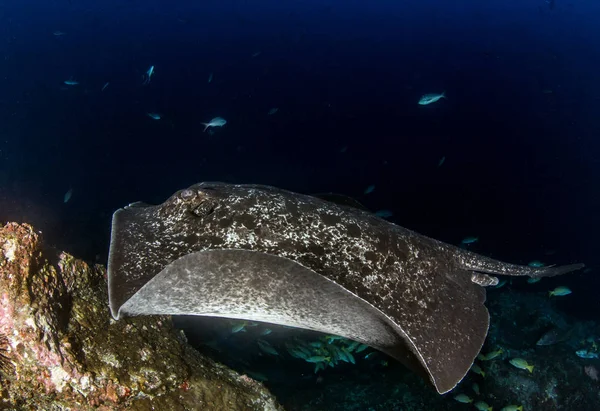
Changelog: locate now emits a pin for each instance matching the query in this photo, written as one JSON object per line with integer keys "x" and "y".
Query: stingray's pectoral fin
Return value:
{"x": 263, "y": 287}
{"x": 442, "y": 312}
{"x": 437, "y": 335}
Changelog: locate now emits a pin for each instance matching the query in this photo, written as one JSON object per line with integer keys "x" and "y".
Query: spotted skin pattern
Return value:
{"x": 431, "y": 291}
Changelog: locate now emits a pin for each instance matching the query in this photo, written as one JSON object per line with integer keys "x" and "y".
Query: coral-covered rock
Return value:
{"x": 60, "y": 348}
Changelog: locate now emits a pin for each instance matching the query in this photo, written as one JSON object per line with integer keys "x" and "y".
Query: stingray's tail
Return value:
{"x": 475, "y": 262}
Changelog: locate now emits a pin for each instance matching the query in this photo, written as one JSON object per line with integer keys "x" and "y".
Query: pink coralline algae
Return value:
{"x": 60, "y": 348}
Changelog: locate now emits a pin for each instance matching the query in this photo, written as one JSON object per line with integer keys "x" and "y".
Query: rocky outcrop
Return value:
{"x": 61, "y": 350}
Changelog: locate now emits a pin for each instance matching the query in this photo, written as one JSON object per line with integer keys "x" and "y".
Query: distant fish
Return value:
{"x": 370, "y": 189}
{"x": 266, "y": 347}
{"x": 554, "y": 336}
{"x": 442, "y": 160}
{"x": 238, "y": 326}
{"x": 344, "y": 149}
{"x": 501, "y": 284}
{"x": 431, "y": 98}
{"x": 483, "y": 406}
{"x": 215, "y": 122}
{"x": 533, "y": 280}
{"x": 536, "y": 264}
{"x": 71, "y": 82}
{"x": 521, "y": 364}
{"x": 104, "y": 86}
{"x": 464, "y": 398}
{"x": 210, "y": 77}
{"x": 59, "y": 33}
{"x": 148, "y": 76}
{"x": 256, "y": 54}
{"x": 560, "y": 291}
{"x": 477, "y": 370}
{"x": 154, "y": 116}
{"x": 586, "y": 354}
{"x": 273, "y": 111}
{"x": 490, "y": 356}
{"x": 469, "y": 240}
{"x": 384, "y": 213}
{"x": 67, "y": 196}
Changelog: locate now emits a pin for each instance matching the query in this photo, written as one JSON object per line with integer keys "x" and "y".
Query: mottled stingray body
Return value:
{"x": 260, "y": 253}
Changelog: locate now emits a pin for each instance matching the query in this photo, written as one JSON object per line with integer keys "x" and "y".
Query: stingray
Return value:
{"x": 260, "y": 253}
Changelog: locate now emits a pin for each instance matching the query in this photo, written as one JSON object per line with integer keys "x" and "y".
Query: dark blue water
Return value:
{"x": 519, "y": 129}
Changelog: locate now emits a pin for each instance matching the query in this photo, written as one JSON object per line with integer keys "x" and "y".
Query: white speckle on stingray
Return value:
{"x": 238, "y": 233}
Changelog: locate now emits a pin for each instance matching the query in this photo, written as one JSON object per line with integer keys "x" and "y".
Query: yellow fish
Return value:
{"x": 521, "y": 364}
{"x": 512, "y": 408}
{"x": 464, "y": 398}
{"x": 560, "y": 291}
{"x": 477, "y": 370}
{"x": 482, "y": 406}
{"x": 493, "y": 354}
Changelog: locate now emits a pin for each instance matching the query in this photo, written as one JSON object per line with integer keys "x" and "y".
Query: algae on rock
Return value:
{"x": 61, "y": 350}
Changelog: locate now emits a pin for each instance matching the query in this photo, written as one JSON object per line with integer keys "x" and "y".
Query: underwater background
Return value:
{"x": 319, "y": 96}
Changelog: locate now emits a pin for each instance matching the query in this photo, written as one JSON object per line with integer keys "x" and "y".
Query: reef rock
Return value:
{"x": 61, "y": 350}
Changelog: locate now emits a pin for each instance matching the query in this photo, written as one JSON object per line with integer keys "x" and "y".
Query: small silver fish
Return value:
{"x": 154, "y": 116}
{"x": 215, "y": 122}
{"x": 210, "y": 77}
{"x": 370, "y": 189}
{"x": 104, "y": 86}
{"x": 238, "y": 326}
{"x": 71, "y": 82}
{"x": 442, "y": 160}
{"x": 266, "y": 347}
{"x": 59, "y": 33}
{"x": 273, "y": 111}
{"x": 431, "y": 98}
{"x": 470, "y": 240}
{"x": 148, "y": 76}
{"x": 67, "y": 196}
{"x": 586, "y": 354}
